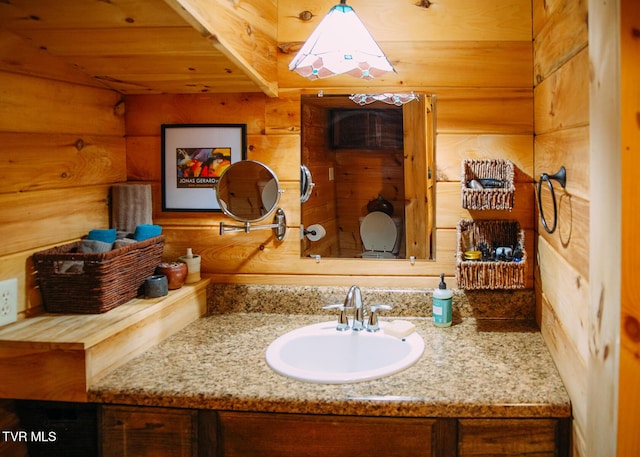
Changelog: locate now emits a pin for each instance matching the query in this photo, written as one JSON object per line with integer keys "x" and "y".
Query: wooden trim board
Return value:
{"x": 59, "y": 356}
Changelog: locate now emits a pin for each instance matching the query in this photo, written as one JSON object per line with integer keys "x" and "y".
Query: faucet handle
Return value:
{"x": 372, "y": 325}
{"x": 343, "y": 320}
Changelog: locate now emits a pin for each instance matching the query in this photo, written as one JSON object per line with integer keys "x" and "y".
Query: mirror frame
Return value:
{"x": 235, "y": 217}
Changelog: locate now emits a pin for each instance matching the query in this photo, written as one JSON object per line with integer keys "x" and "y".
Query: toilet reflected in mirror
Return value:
{"x": 381, "y": 235}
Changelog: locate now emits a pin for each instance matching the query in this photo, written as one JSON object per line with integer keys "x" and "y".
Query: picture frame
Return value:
{"x": 193, "y": 158}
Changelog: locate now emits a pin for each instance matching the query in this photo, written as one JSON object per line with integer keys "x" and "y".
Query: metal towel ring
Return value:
{"x": 561, "y": 177}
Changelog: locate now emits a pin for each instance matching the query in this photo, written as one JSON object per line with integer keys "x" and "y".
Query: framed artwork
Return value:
{"x": 193, "y": 158}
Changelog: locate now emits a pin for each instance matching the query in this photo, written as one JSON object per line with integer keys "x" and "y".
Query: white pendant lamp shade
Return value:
{"x": 390, "y": 99}
{"x": 341, "y": 44}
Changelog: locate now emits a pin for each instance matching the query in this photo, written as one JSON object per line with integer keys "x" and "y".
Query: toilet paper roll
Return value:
{"x": 315, "y": 232}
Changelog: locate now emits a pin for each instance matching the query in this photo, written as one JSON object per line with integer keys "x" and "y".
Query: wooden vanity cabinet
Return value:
{"x": 146, "y": 431}
{"x": 508, "y": 437}
{"x": 127, "y": 431}
{"x": 164, "y": 432}
{"x": 294, "y": 435}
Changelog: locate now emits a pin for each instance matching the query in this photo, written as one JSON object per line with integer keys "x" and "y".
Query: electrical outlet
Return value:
{"x": 8, "y": 301}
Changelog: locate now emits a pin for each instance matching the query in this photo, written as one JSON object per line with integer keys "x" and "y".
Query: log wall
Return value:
{"x": 65, "y": 142}
{"x": 94, "y": 138}
{"x": 481, "y": 75}
{"x": 561, "y": 94}
{"x": 62, "y": 146}
{"x": 273, "y": 127}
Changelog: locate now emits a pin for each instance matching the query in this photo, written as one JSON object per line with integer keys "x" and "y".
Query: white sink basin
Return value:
{"x": 319, "y": 353}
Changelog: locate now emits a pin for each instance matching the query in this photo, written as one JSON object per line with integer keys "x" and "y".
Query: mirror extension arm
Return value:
{"x": 279, "y": 226}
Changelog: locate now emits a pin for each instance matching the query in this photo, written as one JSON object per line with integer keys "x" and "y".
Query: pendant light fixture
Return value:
{"x": 390, "y": 99}
{"x": 341, "y": 44}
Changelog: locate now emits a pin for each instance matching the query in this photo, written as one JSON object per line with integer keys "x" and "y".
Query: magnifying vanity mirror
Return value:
{"x": 248, "y": 191}
{"x": 373, "y": 169}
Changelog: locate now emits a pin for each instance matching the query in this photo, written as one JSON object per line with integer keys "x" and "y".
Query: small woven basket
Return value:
{"x": 487, "y": 199}
{"x": 479, "y": 274}
{"x": 76, "y": 282}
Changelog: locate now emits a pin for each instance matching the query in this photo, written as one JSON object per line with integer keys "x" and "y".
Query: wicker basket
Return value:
{"x": 480, "y": 274}
{"x": 485, "y": 199}
{"x": 75, "y": 282}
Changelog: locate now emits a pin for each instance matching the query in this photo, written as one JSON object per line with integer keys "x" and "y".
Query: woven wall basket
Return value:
{"x": 479, "y": 274}
{"x": 488, "y": 199}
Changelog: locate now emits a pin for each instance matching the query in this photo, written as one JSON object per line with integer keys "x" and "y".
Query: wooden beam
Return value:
{"x": 245, "y": 34}
{"x": 629, "y": 375}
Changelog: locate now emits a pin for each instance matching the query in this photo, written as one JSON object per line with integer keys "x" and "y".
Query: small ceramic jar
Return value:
{"x": 155, "y": 286}
{"x": 193, "y": 266}
{"x": 176, "y": 273}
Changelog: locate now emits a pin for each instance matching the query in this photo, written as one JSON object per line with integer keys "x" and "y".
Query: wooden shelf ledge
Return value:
{"x": 58, "y": 356}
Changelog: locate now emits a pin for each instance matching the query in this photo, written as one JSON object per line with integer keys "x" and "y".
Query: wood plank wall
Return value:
{"x": 484, "y": 111}
{"x": 61, "y": 147}
{"x": 64, "y": 143}
{"x": 273, "y": 127}
{"x": 561, "y": 79}
{"x": 481, "y": 74}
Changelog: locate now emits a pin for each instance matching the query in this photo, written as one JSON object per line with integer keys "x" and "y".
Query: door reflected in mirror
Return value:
{"x": 374, "y": 182}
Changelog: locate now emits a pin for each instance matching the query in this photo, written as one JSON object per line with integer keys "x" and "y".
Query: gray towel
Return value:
{"x": 130, "y": 206}
{"x": 76, "y": 267}
{"x": 95, "y": 246}
{"x": 123, "y": 242}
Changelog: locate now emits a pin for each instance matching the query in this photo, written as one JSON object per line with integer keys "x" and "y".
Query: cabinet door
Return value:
{"x": 293, "y": 435}
{"x": 154, "y": 432}
{"x": 511, "y": 437}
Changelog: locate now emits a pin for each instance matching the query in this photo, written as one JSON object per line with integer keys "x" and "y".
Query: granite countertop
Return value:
{"x": 475, "y": 368}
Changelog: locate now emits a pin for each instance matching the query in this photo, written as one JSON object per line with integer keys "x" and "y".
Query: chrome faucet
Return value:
{"x": 354, "y": 300}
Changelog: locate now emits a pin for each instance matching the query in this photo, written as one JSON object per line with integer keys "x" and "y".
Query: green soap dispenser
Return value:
{"x": 442, "y": 298}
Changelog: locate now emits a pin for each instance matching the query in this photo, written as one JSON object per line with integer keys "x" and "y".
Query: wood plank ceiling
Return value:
{"x": 155, "y": 46}
{"x": 194, "y": 46}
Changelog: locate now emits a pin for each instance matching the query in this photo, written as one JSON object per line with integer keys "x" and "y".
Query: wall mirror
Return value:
{"x": 373, "y": 169}
{"x": 248, "y": 191}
